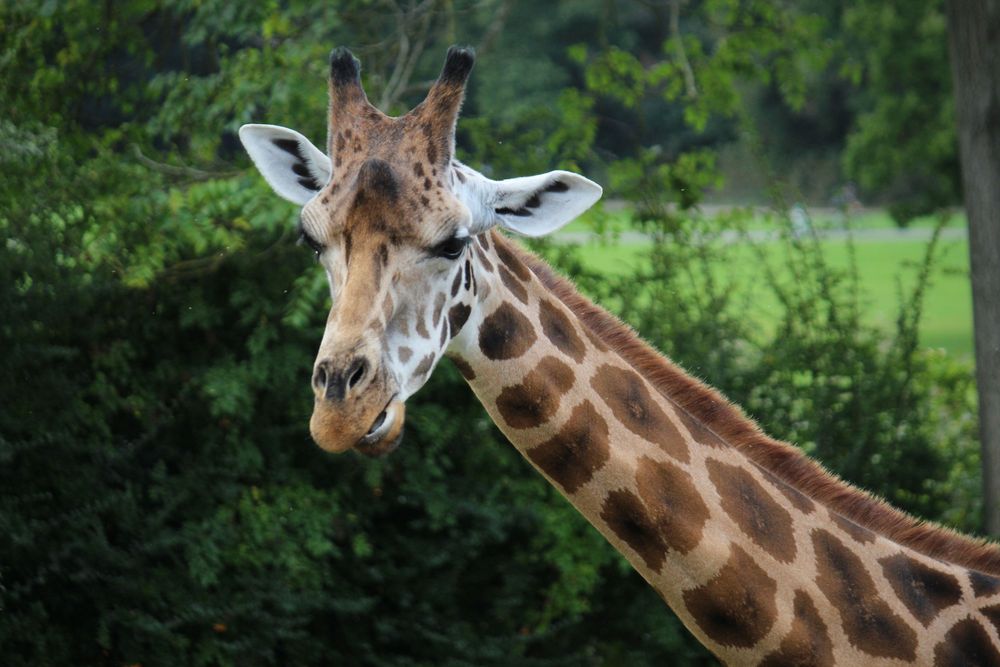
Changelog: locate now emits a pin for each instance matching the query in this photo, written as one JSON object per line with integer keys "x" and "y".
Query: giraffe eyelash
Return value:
{"x": 307, "y": 240}
{"x": 451, "y": 248}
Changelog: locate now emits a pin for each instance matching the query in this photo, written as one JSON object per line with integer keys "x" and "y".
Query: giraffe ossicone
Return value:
{"x": 763, "y": 555}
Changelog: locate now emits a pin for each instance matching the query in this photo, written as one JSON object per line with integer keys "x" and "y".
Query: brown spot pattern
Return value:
{"x": 924, "y": 590}
{"x": 857, "y": 533}
{"x": 577, "y": 451}
{"x": 965, "y": 645}
{"x": 421, "y": 326}
{"x": 730, "y": 422}
{"x": 533, "y": 402}
{"x": 560, "y": 330}
{"x": 512, "y": 284}
{"x": 983, "y": 585}
{"x": 807, "y": 644}
{"x": 673, "y": 503}
{"x": 404, "y": 354}
{"x": 348, "y": 247}
{"x": 483, "y": 259}
{"x": 438, "y": 307}
{"x": 513, "y": 263}
{"x": 594, "y": 339}
{"x": 698, "y": 431}
{"x": 738, "y": 606}
{"x": 424, "y": 366}
{"x": 868, "y": 622}
{"x": 457, "y": 283}
{"x": 630, "y": 401}
{"x": 992, "y": 614}
{"x": 627, "y": 518}
{"x": 463, "y": 367}
{"x": 800, "y": 500}
{"x": 505, "y": 334}
{"x": 458, "y": 315}
{"x": 753, "y": 509}
{"x": 387, "y": 308}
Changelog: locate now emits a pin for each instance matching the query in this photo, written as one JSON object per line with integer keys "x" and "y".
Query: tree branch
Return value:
{"x": 189, "y": 173}
{"x": 678, "y": 40}
{"x": 486, "y": 43}
{"x": 495, "y": 27}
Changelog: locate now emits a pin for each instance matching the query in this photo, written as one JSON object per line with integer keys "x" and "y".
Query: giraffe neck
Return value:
{"x": 762, "y": 572}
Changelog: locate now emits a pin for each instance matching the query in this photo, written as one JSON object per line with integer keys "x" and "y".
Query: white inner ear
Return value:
{"x": 539, "y": 205}
{"x": 293, "y": 167}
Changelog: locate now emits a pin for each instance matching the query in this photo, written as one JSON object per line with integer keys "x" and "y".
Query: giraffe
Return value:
{"x": 764, "y": 556}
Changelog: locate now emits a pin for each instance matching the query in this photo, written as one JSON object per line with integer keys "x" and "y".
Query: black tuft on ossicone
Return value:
{"x": 344, "y": 67}
{"x": 457, "y": 64}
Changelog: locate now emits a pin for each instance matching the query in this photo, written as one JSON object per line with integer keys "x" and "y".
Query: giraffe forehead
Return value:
{"x": 399, "y": 165}
{"x": 392, "y": 174}
{"x": 392, "y": 200}
{"x": 408, "y": 144}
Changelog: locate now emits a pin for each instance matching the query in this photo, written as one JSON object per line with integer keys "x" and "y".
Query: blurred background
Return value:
{"x": 781, "y": 216}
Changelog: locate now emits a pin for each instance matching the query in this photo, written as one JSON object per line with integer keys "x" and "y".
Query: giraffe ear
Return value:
{"x": 539, "y": 205}
{"x": 294, "y": 168}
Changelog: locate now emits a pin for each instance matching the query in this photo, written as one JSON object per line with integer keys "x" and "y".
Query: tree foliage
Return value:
{"x": 903, "y": 143}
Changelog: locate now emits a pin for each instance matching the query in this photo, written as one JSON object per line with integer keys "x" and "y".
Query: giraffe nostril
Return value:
{"x": 320, "y": 377}
{"x": 357, "y": 373}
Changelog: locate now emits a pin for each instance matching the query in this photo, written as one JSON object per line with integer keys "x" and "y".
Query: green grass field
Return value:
{"x": 886, "y": 268}
{"x": 616, "y": 218}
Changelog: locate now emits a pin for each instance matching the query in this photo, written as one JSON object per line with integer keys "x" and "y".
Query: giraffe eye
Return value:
{"x": 314, "y": 245}
{"x": 451, "y": 248}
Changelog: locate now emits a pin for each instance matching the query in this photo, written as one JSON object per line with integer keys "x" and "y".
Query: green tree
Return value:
{"x": 902, "y": 145}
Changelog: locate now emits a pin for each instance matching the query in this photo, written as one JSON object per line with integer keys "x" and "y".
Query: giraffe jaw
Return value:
{"x": 386, "y": 431}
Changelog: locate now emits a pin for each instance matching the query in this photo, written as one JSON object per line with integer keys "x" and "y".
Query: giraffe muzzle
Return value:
{"x": 373, "y": 429}
{"x": 356, "y": 405}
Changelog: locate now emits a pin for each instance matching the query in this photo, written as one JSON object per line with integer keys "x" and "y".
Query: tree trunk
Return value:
{"x": 974, "y": 41}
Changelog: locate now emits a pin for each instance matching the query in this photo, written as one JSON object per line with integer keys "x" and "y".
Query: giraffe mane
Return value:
{"x": 727, "y": 421}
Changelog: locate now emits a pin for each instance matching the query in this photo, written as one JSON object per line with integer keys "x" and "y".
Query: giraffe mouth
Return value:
{"x": 386, "y": 431}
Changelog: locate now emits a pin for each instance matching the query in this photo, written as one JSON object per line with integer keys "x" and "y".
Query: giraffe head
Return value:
{"x": 390, "y": 214}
